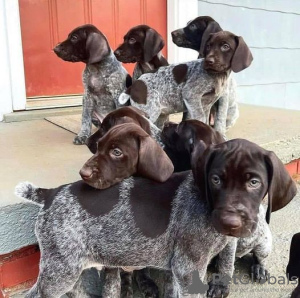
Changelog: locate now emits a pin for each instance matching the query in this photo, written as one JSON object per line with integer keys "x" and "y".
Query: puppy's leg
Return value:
{"x": 219, "y": 286}
{"x": 126, "y": 284}
{"x": 112, "y": 283}
{"x": 169, "y": 290}
{"x": 86, "y": 121}
{"x": 145, "y": 283}
{"x": 221, "y": 115}
{"x": 57, "y": 276}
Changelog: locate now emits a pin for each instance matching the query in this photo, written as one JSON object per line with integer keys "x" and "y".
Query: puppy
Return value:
{"x": 293, "y": 267}
{"x": 181, "y": 139}
{"x": 142, "y": 44}
{"x": 104, "y": 78}
{"x": 126, "y": 149}
{"x": 194, "y": 85}
{"x": 178, "y": 225}
{"x": 120, "y": 116}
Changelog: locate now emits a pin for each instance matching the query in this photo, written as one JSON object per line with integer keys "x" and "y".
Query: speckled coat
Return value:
{"x": 195, "y": 91}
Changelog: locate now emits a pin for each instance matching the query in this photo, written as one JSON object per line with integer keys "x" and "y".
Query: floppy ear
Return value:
{"x": 97, "y": 47}
{"x": 153, "y": 162}
{"x": 152, "y": 45}
{"x": 242, "y": 56}
{"x": 293, "y": 267}
{"x": 282, "y": 188}
{"x": 212, "y": 27}
{"x": 201, "y": 160}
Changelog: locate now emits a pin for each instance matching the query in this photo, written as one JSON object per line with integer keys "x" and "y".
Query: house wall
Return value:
{"x": 270, "y": 28}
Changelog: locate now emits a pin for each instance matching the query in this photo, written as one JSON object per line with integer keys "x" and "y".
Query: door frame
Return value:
{"x": 178, "y": 13}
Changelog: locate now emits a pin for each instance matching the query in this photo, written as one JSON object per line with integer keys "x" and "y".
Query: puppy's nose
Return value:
{"x": 231, "y": 222}
{"x": 210, "y": 60}
{"x": 174, "y": 33}
{"x": 86, "y": 172}
{"x": 117, "y": 52}
{"x": 57, "y": 48}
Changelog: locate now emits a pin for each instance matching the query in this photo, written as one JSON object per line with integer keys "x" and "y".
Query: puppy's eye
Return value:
{"x": 132, "y": 40}
{"x": 254, "y": 183}
{"x": 215, "y": 179}
{"x": 116, "y": 152}
{"x": 74, "y": 38}
{"x": 193, "y": 27}
{"x": 225, "y": 47}
{"x": 208, "y": 47}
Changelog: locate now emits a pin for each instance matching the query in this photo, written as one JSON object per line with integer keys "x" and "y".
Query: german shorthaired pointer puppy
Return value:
{"x": 119, "y": 116}
{"x": 126, "y": 149}
{"x": 104, "y": 78}
{"x": 178, "y": 225}
{"x": 196, "y": 85}
{"x": 194, "y": 36}
{"x": 180, "y": 140}
{"x": 142, "y": 44}
{"x": 293, "y": 267}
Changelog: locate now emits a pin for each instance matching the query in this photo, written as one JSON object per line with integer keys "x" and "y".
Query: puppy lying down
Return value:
{"x": 178, "y": 225}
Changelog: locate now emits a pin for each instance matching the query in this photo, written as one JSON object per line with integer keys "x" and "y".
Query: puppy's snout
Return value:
{"x": 57, "y": 48}
{"x": 231, "y": 222}
{"x": 174, "y": 34}
{"x": 117, "y": 52}
{"x": 86, "y": 173}
{"x": 210, "y": 60}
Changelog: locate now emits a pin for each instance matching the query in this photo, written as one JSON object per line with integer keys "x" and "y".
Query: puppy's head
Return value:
{"x": 126, "y": 149}
{"x": 225, "y": 51}
{"x": 195, "y": 33}
{"x": 84, "y": 44}
{"x": 119, "y": 116}
{"x": 141, "y": 44}
{"x": 234, "y": 177}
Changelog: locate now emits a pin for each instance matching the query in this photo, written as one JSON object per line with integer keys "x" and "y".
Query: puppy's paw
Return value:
{"x": 218, "y": 290}
{"x": 259, "y": 273}
{"x": 126, "y": 292}
{"x": 149, "y": 289}
{"x": 80, "y": 140}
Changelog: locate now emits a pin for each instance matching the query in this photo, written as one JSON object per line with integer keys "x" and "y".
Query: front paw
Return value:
{"x": 80, "y": 140}
{"x": 259, "y": 273}
{"x": 218, "y": 290}
{"x": 149, "y": 289}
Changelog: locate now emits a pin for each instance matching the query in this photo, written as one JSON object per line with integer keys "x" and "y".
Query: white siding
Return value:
{"x": 269, "y": 28}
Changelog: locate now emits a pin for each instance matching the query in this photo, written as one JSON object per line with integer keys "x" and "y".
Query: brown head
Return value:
{"x": 225, "y": 51}
{"x": 84, "y": 44}
{"x": 141, "y": 44}
{"x": 118, "y": 116}
{"x": 195, "y": 34}
{"x": 126, "y": 149}
{"x": 234, "y": 177}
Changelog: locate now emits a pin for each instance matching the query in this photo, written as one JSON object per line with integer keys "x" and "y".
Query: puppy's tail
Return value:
{"x": 124, "y": 96}
{"x": 28, "y": 191}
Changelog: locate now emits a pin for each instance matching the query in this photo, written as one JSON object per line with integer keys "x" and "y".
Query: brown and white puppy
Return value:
{"x": 126, "y": 149}
{"x": 142, "y": 45}
{"x": 193, "y": 86}
{"x": 293, "y": 267}
{"x": 181, "y": 139}
{"x": 196, "y": 33}
{"x": 104, "y": 78}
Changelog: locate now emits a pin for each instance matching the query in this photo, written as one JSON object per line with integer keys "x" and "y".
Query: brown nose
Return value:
{"x": 57, "y": 48}
{"x": 86, "y": 172}
{"x": 231, "y": 222}
{"x": 210, "y": 60}
{"x": 117, "y": 52}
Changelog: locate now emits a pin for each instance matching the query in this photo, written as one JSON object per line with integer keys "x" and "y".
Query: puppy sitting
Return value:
{"x": 120, "y": 116}
{"x": 178, "y": 225}
{"x": 224, "y": 112}
{"x": 181, "y": 139}
{"x": 142, "y": 44}
{"x": 126, "y": 149}
{"x": 104, "y": 78}
{"x": 196, "y": 85}
{"x": 293, "y": 267}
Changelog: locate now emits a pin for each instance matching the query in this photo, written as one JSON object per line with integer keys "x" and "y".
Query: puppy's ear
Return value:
{"x": 293, "y": 267}
{"x": 153, "y": 162}
{"x": 97, "y": 47}
{"x": 201, "y": 160}
{"x": 212, "y": 27}
{"x": 152, "y": 45}
{"x": 242, "y": 56}
{"x": 282, "y": 188}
